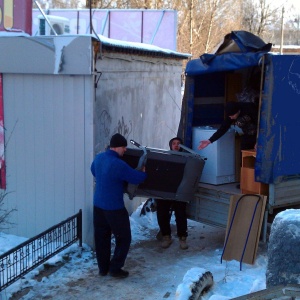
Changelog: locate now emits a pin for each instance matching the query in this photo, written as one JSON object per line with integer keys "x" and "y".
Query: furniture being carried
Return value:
{"x": 172, "y": 175}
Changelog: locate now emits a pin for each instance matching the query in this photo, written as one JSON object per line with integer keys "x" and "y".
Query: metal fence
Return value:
{"x": 25, "y": 257}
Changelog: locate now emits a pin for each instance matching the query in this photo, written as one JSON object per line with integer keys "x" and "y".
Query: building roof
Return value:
{"x": 286, "y": 49}
{"x": 116, "y": 45}
{"x": 63, "y": 54}
{"x": 133, "y": 47}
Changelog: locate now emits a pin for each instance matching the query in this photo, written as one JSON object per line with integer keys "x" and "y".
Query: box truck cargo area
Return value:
{"x": 219, "y": 166}
{"x": 249, "y": 75}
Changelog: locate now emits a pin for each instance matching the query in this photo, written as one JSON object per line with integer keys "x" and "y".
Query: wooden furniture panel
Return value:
{"x": 248, "y": 183}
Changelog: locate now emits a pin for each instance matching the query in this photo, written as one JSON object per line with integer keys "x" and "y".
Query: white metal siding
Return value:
{"x": 48, "y": 148}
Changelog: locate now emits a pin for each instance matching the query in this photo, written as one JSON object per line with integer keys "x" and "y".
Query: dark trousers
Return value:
{"x": 164, "y": 213}
{"x": 107, "y": 222}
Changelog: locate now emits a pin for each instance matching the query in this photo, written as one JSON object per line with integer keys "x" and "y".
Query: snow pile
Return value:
{"x": 195, "y": 281}
{"x": 283, "y": 251}
{"x": 155, "y": 273}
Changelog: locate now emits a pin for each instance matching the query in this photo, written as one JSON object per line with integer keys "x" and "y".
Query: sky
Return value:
{"x": 155, "y": 273}
{"x": 289, "y": 3}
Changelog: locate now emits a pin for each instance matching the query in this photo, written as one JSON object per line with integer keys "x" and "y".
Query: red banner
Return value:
{"x": 16, "y": 16}
{"x": 2, "y": 142}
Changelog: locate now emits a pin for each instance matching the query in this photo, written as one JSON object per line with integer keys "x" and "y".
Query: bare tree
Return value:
{"x": 205, "y": 24}
{"x": 48, "y": 4}
{"x": 120, "y": 4}
{"x": 261, "y": 18}
{"x": 202, "y": 24}
{"x": 5, "y": 213}
{"x": 292, "y": 26}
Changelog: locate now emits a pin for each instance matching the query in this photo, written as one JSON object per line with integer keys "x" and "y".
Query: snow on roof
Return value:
{"x": 112, "y": 43}
{"x": 140, "y": 47}
{"x": 287, "y": 46}
{"x": 13, "y": 33}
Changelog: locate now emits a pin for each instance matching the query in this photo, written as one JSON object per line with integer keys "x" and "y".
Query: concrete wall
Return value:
{"x": 139, "y": 97}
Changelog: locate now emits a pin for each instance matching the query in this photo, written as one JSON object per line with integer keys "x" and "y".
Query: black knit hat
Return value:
{"x": 117, "y": 140}
{"x": 231, "y": 108}
{"x": 173, "y": 139}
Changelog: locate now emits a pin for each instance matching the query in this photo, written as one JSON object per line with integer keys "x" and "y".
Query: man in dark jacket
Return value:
{"x": 164, "y": 212}
{"x": 110, "y": 214}
{"x": 245, "y": 116}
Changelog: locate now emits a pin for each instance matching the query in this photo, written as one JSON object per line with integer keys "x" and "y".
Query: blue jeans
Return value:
{"x": 106, "y": 223}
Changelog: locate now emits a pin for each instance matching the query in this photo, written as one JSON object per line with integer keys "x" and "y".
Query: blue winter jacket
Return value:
{"x": 110, "y": 172}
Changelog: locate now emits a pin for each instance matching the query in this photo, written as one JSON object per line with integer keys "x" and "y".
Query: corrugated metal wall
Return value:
{"x": 49, "y": 146}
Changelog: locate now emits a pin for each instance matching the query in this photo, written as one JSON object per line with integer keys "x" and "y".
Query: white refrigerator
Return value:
{"x": 219, "y": 165}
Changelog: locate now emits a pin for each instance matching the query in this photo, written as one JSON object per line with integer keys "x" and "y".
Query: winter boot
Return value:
{"x": 182, "y": 243}
{"x": 166, "y": 241}
{"x": 159, "y": 236}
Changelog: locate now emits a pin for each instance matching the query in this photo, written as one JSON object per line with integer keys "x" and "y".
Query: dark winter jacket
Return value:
{"x": 110, "y": 172}
{"x": 247, "y": 121}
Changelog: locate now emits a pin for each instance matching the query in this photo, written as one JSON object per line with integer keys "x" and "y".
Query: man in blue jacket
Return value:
{"x": 110, "y": 214}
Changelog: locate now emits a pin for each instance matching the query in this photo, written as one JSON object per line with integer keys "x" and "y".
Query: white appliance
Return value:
{"x": 61, "y": 25}
{"x": 219, "y": 165}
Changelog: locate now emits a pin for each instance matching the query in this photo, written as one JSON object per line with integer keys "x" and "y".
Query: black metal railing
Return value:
{"x": 27, "y": 256}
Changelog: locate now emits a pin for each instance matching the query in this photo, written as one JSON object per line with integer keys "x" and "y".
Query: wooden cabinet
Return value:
{"x": 248, "y": 183}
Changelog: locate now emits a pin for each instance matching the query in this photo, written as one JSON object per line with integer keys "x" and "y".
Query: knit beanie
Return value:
{"x": 173, "y": 139}
{"x": 231, "y": 108}
{"x": 117, "y": 140}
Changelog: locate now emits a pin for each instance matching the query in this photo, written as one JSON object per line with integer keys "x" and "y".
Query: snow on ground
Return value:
{"x": 155, "y": 273}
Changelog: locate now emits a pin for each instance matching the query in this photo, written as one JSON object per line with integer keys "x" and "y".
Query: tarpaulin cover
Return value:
{"x": 240, "y": 49}
{"x": 223, "y": 62}
{"x": 278, "y": 145}
{"x": 278, "y": 142}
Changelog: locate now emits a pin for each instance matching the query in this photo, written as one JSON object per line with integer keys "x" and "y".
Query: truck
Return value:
{"x": 244, "y": 69}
